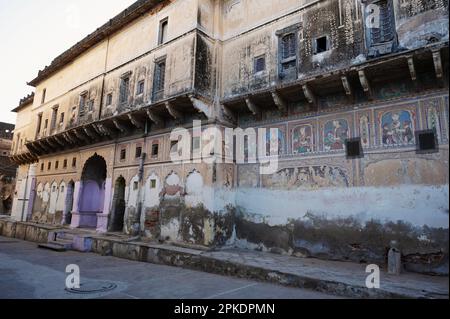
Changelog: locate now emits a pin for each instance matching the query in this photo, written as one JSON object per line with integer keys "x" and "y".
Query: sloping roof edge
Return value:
{"x": 128, "y": 15}
{"x": 27, "y": 100}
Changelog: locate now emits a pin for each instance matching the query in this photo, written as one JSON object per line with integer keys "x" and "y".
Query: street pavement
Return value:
{"x": 27, "y": 272}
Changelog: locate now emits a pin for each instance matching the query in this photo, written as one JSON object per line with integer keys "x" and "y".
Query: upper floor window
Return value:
{"x": 155, "y": 150}
{"x": 288, "y": 52}
{"x": 61, "y": 118}
{"x": 380, "y": 32}
{"x": 159, "y": 79}
{"x": 385, "y": 32}
{"x": 138, "y": 151}
{"x": 91, "y": 106}
{"x": 288, "y": 47}
{"x": 46, "y": 124}
{"x": 82, "y": 107}
{"x": 54, "y": 118}
{"x": 65, "y": 163}
{"x": 109, "y": 99}
{"x": 163, "y": 27}
{"x": 123, "y": 154}
{"x": 321, "y": 45}
{"x": 124, "y": 89}
{"x": 140, "y": 87}
{"x": 74, "y": 162}
{"x": 39, "y": 124}
{"x": 259, "y": 64}
{"x": 44, "y": 93}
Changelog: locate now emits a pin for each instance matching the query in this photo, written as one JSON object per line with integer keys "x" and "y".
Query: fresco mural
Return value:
{"x": 364, "y": 130}
{"x": 335, "y": 134}
{"x": 302, "y": 139}
{"x": 397, "y": 128}
{"x": 270, "y": 139}
{"x": 311, "y": 177}
{"x": 433, "y": 120}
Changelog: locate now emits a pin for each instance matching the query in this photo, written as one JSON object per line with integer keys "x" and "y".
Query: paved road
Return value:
{"x": 28, "y": 272}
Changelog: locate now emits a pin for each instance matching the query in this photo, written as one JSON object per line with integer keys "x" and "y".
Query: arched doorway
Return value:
{"x": 117, "y": 221}
{"x": 92, "y": 191}
{"x": 68, "y": 207}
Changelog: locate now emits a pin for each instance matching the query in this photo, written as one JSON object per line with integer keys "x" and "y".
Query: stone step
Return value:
{"x": 66, "y": 243}
{"x": 67, "y": 236}
{"x": 53, "y": 246}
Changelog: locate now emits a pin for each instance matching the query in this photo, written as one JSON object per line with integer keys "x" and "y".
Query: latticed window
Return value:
{"x": 288, "y": 46}
{"x": 288, "y": 56}
{"x": 385, "y": 32}
{"x": 159, "y": 79}
{"x": 124, "y": 89}
{"x": 54, "y": 118}
{"x": 82, "y": 107}
{"x": 259, "y": 64}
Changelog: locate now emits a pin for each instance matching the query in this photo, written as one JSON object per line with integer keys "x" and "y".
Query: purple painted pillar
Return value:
{"x": 102, "y": 218}
{"x": 76, "y": 207}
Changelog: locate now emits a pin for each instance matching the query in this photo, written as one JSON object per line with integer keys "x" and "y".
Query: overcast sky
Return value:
{"x": 34, "y": 32}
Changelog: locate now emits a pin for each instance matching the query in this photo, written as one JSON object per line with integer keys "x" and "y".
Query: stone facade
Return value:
{"x": 97, "y": 131}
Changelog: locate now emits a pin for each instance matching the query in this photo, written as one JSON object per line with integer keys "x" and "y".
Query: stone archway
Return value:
{"x": 118, "y": 214}
{"x": 92, "y": 193}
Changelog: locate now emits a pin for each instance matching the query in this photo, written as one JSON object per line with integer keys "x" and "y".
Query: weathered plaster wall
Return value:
{"x": 321, "y": 204}
{"x": 318, "y": 203}
{"x": 421, "y": 22}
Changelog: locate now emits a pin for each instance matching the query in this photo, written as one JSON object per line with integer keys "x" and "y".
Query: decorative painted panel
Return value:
{"x": 335, "y": 132}
{"x": 303, "y": 138}
{"x": 396, "y": 125}
{"x": 365, "y": 128}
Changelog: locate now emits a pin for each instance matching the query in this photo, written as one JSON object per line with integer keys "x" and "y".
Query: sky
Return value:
{"x": 34, "y": 32}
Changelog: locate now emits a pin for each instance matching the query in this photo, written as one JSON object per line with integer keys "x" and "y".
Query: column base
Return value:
{"x": 102, "y": 223}
{"x": 84, "y": 219}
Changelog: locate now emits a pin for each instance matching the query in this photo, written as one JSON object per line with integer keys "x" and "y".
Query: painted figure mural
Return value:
{"x": 364, "y": 130}
{"x": 272, "y": 140}
{"x": 302, "y": 139}
{"x": 433, "y": 122}
{"x": 336, "y": 132}
{"x": 308, "y": 178}
{"x": 397, "y": 128}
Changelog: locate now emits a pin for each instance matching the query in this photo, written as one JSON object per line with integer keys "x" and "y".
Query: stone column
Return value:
{"x": 102, "y": 218}
{"x": 68, "y": 203}
{"x": 31, "y": 199}
{"x": 76, "y": 218}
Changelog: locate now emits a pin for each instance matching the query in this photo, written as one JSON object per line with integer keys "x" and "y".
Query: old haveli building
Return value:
{"x": 7, "y": 168}
{"x": 362, "y": 113}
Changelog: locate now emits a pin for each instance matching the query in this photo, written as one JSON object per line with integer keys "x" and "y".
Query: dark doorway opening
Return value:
{"x": 117, "y": 222}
